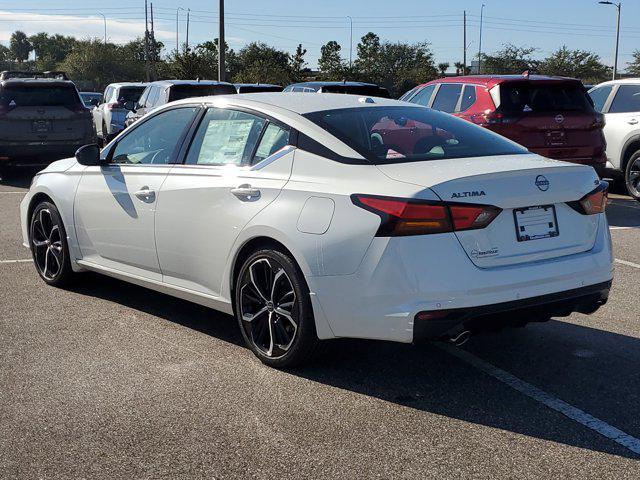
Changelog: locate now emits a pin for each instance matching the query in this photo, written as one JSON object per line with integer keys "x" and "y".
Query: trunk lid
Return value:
{"x": 512, "y": 183}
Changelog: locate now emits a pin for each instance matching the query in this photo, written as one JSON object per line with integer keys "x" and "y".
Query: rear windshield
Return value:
{"x": 539, "y": 97}
{"x": 258, "y": 89}
{"x": 130, "y": 94}
{"x": 39, "y": 96}
{"x": 408, "y": 134}
{"x": 178, "y": 92}
{"x": 369, "y": 91}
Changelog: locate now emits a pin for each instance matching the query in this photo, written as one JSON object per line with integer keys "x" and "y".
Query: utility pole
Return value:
{"x": 350, "y": 40}
{"x": 146, "y": 42}
{"x": 105, "y": 27}
{"x": 177, "y": 28}
{"x": 188, "y": 12}
{"x": 464, "y": 42}
{"x": 153, "y": 46}
{"x": 480, "y": 42}
{"x": 221, "y": 44}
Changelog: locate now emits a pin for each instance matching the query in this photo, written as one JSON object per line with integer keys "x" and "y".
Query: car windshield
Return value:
{"x": 178, "y": 92}
{"x": 526, "y": 97}
{"x": 130, "y": 94}
{"x": 38, "y": 96}
{"x": 408, "y": 134}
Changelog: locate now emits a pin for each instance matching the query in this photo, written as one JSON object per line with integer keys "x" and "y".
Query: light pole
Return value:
{"x": 105, "y": 26}
{"x": 221, "y": 43}
{"x": 177, "y": 27}
{"x": 615, "y": 61}
{"x": 480, "y": 42}
{"x": 350, "y": 40}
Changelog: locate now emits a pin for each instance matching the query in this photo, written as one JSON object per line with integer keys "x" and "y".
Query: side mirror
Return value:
{"x": 94, "y": 102}
{"x": 89, "y": 155}
{"x": 130, "y": 105}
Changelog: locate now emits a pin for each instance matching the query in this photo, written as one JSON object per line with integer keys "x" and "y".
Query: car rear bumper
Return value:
{"x": 403, "y": 276}
{"x": 32, "y": 154}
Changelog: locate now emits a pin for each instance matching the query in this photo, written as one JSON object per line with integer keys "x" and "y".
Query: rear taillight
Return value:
{"x": 593, "y": 202}
{"x": 598, "y": 122}
{"x": 491, "y": 118}
{"x": 403, "y": 216}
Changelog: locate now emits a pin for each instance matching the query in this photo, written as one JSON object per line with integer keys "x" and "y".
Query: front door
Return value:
{"x": 116, "y": 203}
{"x": 237, "y": 164}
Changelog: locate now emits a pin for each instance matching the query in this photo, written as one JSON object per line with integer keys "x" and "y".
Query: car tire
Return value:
{"x": 632, "y": 176}
{"x": 273, "y": 309}
{"x": 49, "y": 248}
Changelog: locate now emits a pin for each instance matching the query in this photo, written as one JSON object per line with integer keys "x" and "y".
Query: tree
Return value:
{"x": 260, "y": 63}
{"x": 580, "y": 64}
{"x": 50, "y": 50}
{"x": 331, "y": 65}
{"x": 461, "y": 69}
{"x": 298, "y": 64}
{"x": 368, "y": 59}
{"x": 511, "y": 59}
{"x": 442, "y": 68}
{"x": 634, "y": 67}
{"x": 20, "y": 46}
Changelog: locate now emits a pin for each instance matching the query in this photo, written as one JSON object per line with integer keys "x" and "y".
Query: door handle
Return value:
{"x": 633, "y": 121}
{"x": 146, "y": 195}
{"x": 246, "y": 192}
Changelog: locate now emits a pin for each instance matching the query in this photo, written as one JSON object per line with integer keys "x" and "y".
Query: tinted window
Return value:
{"x": 407, "y": 95}
{"x": 367, "y": 90}
{"x": 447, "y": 97}
{"x": 627, "y": 99}
{"x": 258, "y": 88}
{"x": 178, "y": 92}
{"x": 468, "y": 97}
{"x": 39, "y": 96}
{"x": 539, "y": 97}
{"x": 599, "y": 96}
{"x": 225, "y": 137}
{"x": 154, "y": 141}
{"x": 273, "y": 139}
{"x": 423, "y": 96}
{"x": 129, "y": 94}
{"x": 406, "y": 134}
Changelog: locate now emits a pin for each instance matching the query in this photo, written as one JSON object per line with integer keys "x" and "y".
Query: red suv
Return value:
{"x": 551, "y": 116}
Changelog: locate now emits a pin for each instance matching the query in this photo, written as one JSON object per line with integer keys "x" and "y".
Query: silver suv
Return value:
{"x": 41, "y": 120}
{"x": 109, "y": 113}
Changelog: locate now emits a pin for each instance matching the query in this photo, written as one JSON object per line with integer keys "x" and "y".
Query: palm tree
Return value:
{"x": 442, "y": 67}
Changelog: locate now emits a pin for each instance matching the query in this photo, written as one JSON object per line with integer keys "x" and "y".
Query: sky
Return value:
{"x": 544, "y": 24}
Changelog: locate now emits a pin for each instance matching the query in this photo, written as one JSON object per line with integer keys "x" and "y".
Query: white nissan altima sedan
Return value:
{"x": 316, "y": 217}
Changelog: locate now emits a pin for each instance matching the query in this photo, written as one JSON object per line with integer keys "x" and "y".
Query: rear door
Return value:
{"x": 622, "y": 120}
{"x": 43, "y": 112}
{"x": 551, "y": 116}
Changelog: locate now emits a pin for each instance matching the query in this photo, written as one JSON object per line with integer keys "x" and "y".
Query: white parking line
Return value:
{"x": 628, "y": 264}
{"x": 2, "y": 193}
{"x": 624, "y": 228}
{"x": 574, "y": 413}
{"x": 21, "y": 260}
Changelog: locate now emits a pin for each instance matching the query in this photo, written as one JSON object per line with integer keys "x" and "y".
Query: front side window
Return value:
{"x": 627, "y": 99}
{"x": 225, "y": 137}
{"x": 599, "y": 96}
{"x": 423, "y": 96}
{"x": 447, "y": 97}
{"x": 155, "y": 140}
{"x": 385, "y": 135}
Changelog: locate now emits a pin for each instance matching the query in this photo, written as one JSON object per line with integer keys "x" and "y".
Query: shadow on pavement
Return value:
{"x": 592, "y": 369}
{"x": 20, "y": 177}
{"x": 623, "y": 212}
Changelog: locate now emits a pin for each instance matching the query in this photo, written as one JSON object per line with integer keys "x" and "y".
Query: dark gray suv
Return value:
{"x": 41, "y": 120}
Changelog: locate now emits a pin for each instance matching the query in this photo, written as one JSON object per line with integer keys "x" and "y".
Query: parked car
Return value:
{"x": 90, "y": 99}
{"x": 109, "y": 114}
{"x": 41, "y": 120}
{"x": 619, "y": 101}
{"x": 302, "y": 193}
{"x": 162, "y": 92}
{"x": 551, "y": 116}
{"x": 353, "y": 88}
{"x": 257, "y": 87}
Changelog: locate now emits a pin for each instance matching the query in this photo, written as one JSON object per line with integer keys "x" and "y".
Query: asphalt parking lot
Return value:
{"x": 108, "y": 380}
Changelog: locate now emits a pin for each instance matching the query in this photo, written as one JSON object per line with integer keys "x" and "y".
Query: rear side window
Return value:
{"x": 627, "y": 99}
{"x": 225, "y": 137}
{"x": 178, "y": 92}
{"x": 539, "y": 97}
{"x": 423, "y": 96}
{"x": 402, "y": 134}
{"x": 273, "y": 139}
{"x": 468, "y": 97}
{"x": 39, "y": 96}
{"x": 447, "y": 97}
{"x": 599, "y": 96}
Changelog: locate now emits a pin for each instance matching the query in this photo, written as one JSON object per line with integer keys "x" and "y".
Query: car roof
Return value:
{"x": 492, "y": 80}
{"x": 327, "y": 84}
{"x": 189, "y": 82}
{"x": 256, "y": 85}
{"x": 47, "y": 81}
{"x": 619, "y": 81}
{"x": 128, "y": 84}
{"x": 298, "y": 102}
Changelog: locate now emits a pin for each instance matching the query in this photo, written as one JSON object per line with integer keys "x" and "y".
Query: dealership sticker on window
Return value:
{"x": 491, "y": 252}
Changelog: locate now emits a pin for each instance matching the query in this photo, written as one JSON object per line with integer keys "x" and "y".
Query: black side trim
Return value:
{"x": 310, "y": 145}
